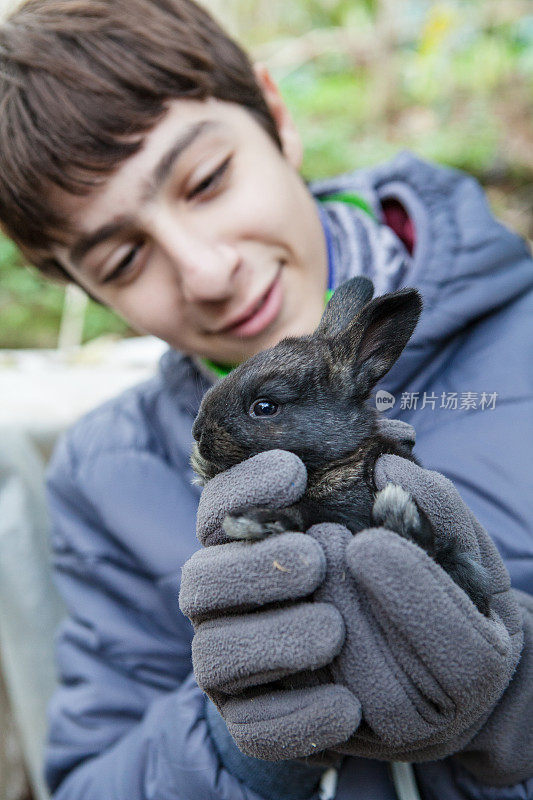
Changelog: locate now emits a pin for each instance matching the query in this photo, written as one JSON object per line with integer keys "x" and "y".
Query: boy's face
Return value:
{"x": 207, "y": 237}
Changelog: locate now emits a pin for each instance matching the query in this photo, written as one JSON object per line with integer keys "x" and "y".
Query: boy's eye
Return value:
{"x": 211, "y": 181}
{"x": 263, "y": 408}
{"x": 124, "y": 264}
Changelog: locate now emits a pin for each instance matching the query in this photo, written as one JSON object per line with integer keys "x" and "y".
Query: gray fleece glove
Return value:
{"x": 325, "y": 641}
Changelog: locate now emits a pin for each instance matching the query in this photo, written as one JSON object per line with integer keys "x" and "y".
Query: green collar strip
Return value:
{"x": 351, "y": 199}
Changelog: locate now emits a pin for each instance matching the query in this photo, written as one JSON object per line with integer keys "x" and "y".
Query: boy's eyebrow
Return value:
{"x": 87, "y": 241}
{"x": 168, "y": 160}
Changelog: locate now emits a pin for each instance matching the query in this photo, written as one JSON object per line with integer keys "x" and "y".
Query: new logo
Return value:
{"x": 384, "y": 400}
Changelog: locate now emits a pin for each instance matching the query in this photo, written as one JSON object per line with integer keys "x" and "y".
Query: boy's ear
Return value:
{"x": 377, "y": 336}
{"x": 288, "y": 133}
{"x": 346, "y": 303}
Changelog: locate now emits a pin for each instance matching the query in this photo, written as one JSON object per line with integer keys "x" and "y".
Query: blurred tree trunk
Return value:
{"x": 385, "y": 67}
{"x": 13, "y": 781}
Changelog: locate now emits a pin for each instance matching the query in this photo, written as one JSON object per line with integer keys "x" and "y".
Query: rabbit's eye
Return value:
{"x": 263, "y": 408}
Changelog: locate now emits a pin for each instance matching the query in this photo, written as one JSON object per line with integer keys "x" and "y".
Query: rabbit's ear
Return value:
{"x": 346, "y": 303}
{"x": 376, "y": 338}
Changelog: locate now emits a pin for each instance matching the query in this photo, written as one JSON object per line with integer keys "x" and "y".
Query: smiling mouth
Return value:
{"x": 264, "y": 311}
{"x": 248, "y": 314}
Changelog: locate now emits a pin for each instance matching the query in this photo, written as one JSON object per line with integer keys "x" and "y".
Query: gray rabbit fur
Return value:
{"x": 309, "y": 395}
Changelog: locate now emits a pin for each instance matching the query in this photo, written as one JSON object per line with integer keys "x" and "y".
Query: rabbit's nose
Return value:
{"x": 204, "y": 438}
{"x": 199, "y": 426}
{"x": 196, "y": 429}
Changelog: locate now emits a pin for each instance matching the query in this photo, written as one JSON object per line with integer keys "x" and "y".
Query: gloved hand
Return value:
{"x": 232, "y": 648}
{"x": 362, "y": 645}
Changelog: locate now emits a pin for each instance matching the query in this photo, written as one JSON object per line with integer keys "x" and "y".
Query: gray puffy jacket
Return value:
{"x": 128, "y": 721}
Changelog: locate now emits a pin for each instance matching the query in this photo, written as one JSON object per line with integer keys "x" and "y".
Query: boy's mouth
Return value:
{"x": 263, "y": 313}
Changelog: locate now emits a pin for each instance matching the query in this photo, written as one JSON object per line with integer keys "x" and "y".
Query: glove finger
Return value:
{"x": 502, "y": 603}
{"x": 397, "y": 429}
{"x": 234, "y": 652}
{"x": 367, "y": 664}
{"x": 434, "y": 494}
{"x": 243, "y": 575}
{"x": 272, "y": 479}
{"x": 292, "y": 723}
{"x": 449, "y": 662}
{"x": 490, "y": 557}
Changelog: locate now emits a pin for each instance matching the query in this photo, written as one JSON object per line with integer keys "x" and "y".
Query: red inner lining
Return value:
{"x": 397, "y": 218}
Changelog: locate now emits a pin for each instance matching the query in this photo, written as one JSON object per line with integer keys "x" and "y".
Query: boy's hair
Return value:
{"x": 81, "y": 82}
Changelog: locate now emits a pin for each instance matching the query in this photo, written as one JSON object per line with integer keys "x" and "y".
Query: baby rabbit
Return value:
{"x": 309, "y": 395}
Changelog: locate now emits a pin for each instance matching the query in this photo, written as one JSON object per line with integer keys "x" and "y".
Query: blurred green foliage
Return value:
{"x": 31, "y": 307}
{"x": 450, "y": 80}
{"x": 454, "y": 83}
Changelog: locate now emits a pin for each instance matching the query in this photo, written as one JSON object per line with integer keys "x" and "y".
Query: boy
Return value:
{"x": 143, "y": 158}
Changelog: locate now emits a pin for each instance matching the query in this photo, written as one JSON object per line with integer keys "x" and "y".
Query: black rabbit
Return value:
{"x": 309, "y": 395}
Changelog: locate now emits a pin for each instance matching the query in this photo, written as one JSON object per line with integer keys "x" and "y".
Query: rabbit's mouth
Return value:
{"x": 204, "y": 468}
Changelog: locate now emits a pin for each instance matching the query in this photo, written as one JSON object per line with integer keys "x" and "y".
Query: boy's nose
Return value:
{"x": 204, "y": 267}
{"x": 207, "y": 273}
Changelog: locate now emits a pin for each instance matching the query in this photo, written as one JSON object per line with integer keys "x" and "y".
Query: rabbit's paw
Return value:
{"x": 258, "y": 523}
{"x": 395, "y": 509}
